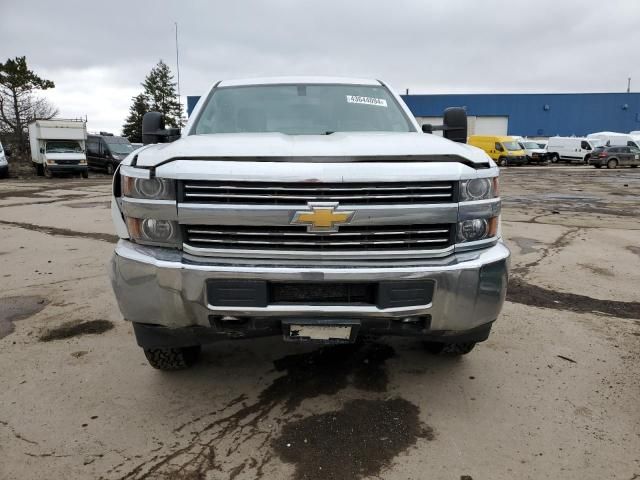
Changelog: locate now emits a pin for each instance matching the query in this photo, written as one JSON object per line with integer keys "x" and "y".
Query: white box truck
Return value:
{"x": 58, "y": 146}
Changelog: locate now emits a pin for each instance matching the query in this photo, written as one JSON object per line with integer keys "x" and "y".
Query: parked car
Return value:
{"x": 4, "y": 164}
{"x": 571, "y": 149}
{"x": 105, "y": 151}
{"x": 614, "y": 138}
{"x": 532, "y": 150}
{"x": 615, "y": 156}
{"x": 503, "y": 150}
{"x": 58, "y": 146}
{"x": 310, "y": 208}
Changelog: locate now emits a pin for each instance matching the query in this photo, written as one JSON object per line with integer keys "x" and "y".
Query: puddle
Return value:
{"x": 520, "y": 291}
{"x": 323, "y": 371}
{"x": 357, "y": 441}
{"x": 18, "y": 308}
{"x": 634, "y": 249}
{"x": 526, "y": 245}
{"x": 75, "y": 329}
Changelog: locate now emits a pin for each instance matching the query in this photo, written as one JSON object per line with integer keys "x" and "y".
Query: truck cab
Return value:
{"x": 310, "y": 208}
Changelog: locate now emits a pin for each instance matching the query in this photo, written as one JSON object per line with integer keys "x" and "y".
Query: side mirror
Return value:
{"x": 427, "y": 128}
{"x": 42, "y": 150}
{"x": 153, "y": 130}
{"x": 455, "y": 124}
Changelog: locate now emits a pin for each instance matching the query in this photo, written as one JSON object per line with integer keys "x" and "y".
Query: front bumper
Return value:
{"x": 158, "y": 288}
{"x": 55, "y": 168}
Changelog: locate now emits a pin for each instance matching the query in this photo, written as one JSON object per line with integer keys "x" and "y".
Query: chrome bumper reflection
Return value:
{"x": 158, "y": 286}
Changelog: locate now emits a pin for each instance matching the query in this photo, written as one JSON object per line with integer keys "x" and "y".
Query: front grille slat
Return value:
{"x": 376, "y": 238}
{"x": 278, "y": 193}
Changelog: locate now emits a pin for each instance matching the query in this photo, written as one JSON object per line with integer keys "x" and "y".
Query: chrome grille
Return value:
{"x": 349, "y": 238}
{"x": 277, "y": 193}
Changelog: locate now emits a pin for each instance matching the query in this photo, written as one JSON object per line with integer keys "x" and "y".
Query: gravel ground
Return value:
{"x": 552, "y": 394}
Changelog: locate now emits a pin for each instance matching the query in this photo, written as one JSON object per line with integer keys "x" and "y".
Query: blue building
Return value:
{"x": 529, "y": 114}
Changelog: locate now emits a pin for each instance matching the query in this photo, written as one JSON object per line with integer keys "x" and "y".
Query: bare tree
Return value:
{"x": 18, "y": 103}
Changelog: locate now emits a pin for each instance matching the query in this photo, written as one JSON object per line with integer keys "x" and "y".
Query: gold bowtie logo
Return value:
{"x": 322, "y": 217}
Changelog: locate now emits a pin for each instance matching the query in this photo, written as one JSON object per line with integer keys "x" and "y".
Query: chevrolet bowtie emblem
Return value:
{"x": 322, "y": 217}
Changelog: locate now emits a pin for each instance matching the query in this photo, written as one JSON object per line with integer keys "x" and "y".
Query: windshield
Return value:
{"x": 304, "y": 109}
{"x": 512, "y": 145}
{"x": 120, "y": 148}
{"x": 530, "y": 145}
{"x": 63, "y": 146}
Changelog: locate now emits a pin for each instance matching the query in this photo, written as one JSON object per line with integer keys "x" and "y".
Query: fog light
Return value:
{"x": 157, "y": 230}
{"x": 471, "y": 230}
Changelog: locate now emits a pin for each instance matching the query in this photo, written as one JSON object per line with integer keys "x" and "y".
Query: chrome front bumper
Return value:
{"x": 158, "y": 286}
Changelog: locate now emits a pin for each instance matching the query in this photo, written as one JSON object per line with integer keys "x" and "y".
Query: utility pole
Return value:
{"x": 178, "y": 69}
{"x": 629, "y": 85}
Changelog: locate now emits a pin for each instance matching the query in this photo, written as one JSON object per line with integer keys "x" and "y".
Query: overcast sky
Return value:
{"x": 97, "y": 53}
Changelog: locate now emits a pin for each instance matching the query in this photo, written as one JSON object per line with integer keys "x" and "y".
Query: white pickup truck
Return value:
{"x": 311, "y": 208}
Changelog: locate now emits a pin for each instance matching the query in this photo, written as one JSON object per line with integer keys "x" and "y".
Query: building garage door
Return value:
{"x": 491, "y": 126}
{"x": 475, "y": 125}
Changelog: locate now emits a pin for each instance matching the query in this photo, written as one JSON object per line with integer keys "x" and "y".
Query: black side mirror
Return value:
{"x": 153, "y": 130}
{"x": 455, "y": 124}
{"x": 42, "y": 150}
{"x": 7, "y": 152}
{"x": 427, "y": 128}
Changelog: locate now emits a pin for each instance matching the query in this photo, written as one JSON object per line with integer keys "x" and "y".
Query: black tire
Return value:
{"x": 170, "y": 359}
{"x": 586, "y": 159}
{"x": 449, "y": 349}
{"x": 47, "y": 172}
{"x": 109, "y": 169}
{"x": 555, "y": 158}
{"x": 598, "y": 166}
{"x": 85, "y": 174}
{"x": 613, "y": 163}
{"x": 502, "y": 162}
{"x": 39, "y": 169}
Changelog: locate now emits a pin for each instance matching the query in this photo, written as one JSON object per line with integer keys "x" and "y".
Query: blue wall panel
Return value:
{"x": 567, "y": 113}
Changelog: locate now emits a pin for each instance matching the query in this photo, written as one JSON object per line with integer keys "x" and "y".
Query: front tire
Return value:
{"x": 586, "y": 159}
{"x": 171, "y": 359}
{"x": 613, "y": 163}
{"x": 449, "y": 349}
{"x": 39, "y": 169}
{"x": 85, "y": 174}
{"x": 47, "y": 172}
{"x": 555, "y": 158}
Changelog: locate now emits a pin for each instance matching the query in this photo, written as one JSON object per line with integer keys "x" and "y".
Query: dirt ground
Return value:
{"x": 554, "y": 393}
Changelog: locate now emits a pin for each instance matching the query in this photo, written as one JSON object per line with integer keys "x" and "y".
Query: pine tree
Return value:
{"x": 160, "y": 91}
{"x": 132, "y": 128}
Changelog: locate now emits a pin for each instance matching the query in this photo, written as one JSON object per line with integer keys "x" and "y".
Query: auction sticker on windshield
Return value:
{"x": 380, "y": 102}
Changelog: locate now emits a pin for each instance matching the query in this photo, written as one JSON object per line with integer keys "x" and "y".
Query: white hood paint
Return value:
{"x": 339, "y": 144}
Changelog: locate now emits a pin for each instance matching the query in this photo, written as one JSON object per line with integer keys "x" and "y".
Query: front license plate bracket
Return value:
{"x": 320, "y": 330}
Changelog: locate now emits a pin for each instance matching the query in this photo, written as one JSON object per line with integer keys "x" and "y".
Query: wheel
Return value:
{"x": 555, "y": 158}
{"x": 85, "y": 174}
{"x": 109, "y": 169}
{"x": 613, "y": 163}
{"x": 39, "y": 169}
{"x": 586, "y": 159}
{"x": 169, "y": 359}
{"x": 502, "y": 162}
{"x": 47, "y": 172}
{"x": 449, "y": 349}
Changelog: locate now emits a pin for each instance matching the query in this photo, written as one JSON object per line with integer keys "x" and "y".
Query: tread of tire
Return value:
{"x": 169, "y": 359}
{"x": 450, "y": 349}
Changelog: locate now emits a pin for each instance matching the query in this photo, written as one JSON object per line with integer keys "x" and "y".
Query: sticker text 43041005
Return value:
{"x": 379, "y": 102}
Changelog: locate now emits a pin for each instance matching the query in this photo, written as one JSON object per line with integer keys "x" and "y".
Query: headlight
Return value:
{"x": 479, "y": 189}
{"x": 477, "y": 229}
{"x": 152, "y": 231}
{"x": 149, "y": 188}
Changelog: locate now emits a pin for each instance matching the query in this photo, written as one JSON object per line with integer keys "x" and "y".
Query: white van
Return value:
{"x": 616, "y": 139}
{"x": 571, "y": 149}
{"x": 532, "y": 150}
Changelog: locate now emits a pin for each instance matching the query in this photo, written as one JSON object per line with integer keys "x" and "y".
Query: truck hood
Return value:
{"x": 64, "y": 156}
{"x": 263, "y": 146}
